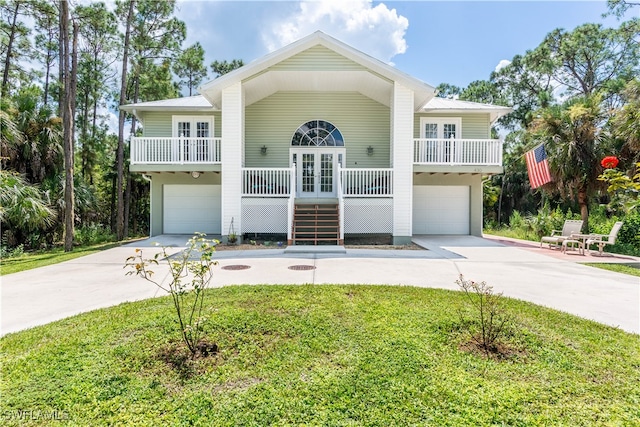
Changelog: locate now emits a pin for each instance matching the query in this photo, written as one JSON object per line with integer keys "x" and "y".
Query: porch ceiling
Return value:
{"x": 368, "y": 84}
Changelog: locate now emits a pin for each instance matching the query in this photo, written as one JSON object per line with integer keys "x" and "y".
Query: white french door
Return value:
{"x": 316, "y": 171}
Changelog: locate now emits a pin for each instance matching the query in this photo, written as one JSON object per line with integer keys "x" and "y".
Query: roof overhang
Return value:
{"x": 376, "y": 80}
{"x": 454, "y": 106}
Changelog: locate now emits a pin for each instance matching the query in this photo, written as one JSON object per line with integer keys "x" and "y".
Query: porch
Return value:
{"x": 363, "y": 203}
{"x": 181, "y": 150}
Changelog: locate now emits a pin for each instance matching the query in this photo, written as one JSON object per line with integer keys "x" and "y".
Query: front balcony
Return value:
{"x": 175, "y": 151}
{"x": 457, "y": 152}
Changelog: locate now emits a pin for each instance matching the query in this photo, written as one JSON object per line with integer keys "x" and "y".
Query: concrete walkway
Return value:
{"x": 518, "y": 269}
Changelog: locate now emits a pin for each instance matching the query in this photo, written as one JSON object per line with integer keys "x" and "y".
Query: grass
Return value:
{"x": 321, "y": 355}
{"x": 30, "y": 260}
{"x": 619, "y": 268}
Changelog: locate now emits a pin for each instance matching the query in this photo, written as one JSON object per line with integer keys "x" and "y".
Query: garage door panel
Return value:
{"x": 439, "y": 209}
{"x": 191, "y": 208}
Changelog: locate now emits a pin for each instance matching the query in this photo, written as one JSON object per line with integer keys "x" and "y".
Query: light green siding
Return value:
{"x": 157, "y": 124}
{"x": 273, "y": 121}
{"x": 474, "y": 126}
{"x": 317, "y": 58}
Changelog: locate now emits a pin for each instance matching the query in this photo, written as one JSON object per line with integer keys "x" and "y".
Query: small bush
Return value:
{"x": 6, "y": 252}
{"x": 490, "y": 315}
{"x": 190, "y": 276}
{"x": 93, "y": 234}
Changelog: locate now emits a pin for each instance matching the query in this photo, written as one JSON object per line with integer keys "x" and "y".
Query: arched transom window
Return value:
{"x": 317, "y": 133}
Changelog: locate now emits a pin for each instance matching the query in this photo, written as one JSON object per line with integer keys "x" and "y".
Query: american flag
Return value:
{"x": 538, "y": 166}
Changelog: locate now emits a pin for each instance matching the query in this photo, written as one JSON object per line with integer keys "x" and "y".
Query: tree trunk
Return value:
{"x": 122, "y": 117}
{"x": 127, "y": 205}
{"x": 67, "y": 118}
{"x": 7, "y": 61}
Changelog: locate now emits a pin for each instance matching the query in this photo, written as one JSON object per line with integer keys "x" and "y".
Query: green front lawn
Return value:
{"x": 30, "y": 260}
{"x": 321, "y": 355}
{"x": 619, "y": 268}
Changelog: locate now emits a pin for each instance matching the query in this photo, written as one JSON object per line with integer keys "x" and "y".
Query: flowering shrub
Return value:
{"x": 609, "y": 162}
{"x": 190, "y": 276}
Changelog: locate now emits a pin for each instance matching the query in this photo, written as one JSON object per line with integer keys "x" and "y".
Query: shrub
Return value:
{"x": 93, "y": 234}
{"x": 489, "y": 311}
{"x": 189, "y": 279}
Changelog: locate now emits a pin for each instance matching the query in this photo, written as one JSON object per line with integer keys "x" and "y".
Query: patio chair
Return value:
{"x": 571, "y": 226}
{"x": 603, "y": 239}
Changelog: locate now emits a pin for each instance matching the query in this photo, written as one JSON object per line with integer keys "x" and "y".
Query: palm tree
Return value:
{"x": 571, "y": 133}
{"x": 31, "y": 137}
{"x": 23, "y": 208}
{"x": 626, "y": 121}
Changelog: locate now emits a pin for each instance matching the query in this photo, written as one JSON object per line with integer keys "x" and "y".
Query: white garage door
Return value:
{"x": 440, "y": 209}
{"x": 191, "y": 208}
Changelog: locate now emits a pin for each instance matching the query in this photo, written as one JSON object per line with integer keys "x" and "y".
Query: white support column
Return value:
{"x": 232, "y": 157}
{"x": 402, "y": 154}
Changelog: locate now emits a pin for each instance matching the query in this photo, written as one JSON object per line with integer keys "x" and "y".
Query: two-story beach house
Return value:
{"x": 316, "y": 140}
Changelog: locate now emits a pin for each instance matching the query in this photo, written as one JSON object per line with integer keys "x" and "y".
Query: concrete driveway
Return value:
{"x": 542, "y": 276}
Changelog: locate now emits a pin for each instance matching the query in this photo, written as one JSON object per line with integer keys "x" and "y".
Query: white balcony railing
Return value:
{"x": 267, "y": 182}
{"x": 367, "y": 182}
{"x": 176, "y": 150}
{"x": 458, "y": 152}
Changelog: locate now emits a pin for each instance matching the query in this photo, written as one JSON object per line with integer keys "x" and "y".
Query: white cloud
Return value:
{"x": 503, "y": 63}
{"x": 377, "y": 31}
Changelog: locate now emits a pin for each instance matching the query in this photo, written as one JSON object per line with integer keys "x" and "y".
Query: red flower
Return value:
{"x": 609, "y": 162}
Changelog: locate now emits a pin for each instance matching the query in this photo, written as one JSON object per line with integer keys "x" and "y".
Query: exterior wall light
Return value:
{"x": 263, "y": 150}
{"x": 370, "y": 151}
{"x": 195, "y": 175}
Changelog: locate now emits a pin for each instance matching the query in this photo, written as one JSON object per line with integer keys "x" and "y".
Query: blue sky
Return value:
{"x": 436, "y": 41}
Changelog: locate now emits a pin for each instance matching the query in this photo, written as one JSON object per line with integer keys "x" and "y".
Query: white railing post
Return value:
{"x": 291, "y": 205}
{"x": 181, "y": 149}
{"x": 340, "y": 204}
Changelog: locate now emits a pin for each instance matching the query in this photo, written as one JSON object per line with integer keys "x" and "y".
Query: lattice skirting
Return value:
{"x": 264, "y": 215}
{"x": 368, "y": 215}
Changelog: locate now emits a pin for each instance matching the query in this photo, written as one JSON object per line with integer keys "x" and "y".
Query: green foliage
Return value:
{"x": 24, "y": 209}
{"x": 93, "y": 234}
{"x": 190, "y": 68}
{"x": 322, "y": 355}
{"x": 6, "y": 252}
{"x": 223, "y": 67}
{"x": 488, "y": 313}
{"x": 188, "y": 282}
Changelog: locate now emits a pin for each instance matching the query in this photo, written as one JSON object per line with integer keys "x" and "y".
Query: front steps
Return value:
{"x": 316, "y": 224}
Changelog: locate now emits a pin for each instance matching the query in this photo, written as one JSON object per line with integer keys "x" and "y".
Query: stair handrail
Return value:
{"x": 340, "y": 204}
{"x": 290, "y": 206}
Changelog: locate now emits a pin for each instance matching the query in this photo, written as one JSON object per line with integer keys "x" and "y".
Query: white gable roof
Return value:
{"x": 445, "y": 105}
{"x": 197, "y": 103}
{"x": 376, "y": 82}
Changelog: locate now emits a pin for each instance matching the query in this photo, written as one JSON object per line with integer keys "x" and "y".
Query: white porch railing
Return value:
{"x": 458, "y": 152}
{"x": 291, "y": 204}
{"x": 175, "y": 150}
{"x": 367, "y": 182}
{"x": 267, "y": 182}
{"x": 340, "y": 203}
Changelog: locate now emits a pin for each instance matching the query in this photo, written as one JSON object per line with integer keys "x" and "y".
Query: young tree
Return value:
{"x": 190, "y": 67}
{"x": 151, "y": 34}
{"x": 97, "y": 54}
{"x": 15, "y": 39}
{"x": 46, "y": 41}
